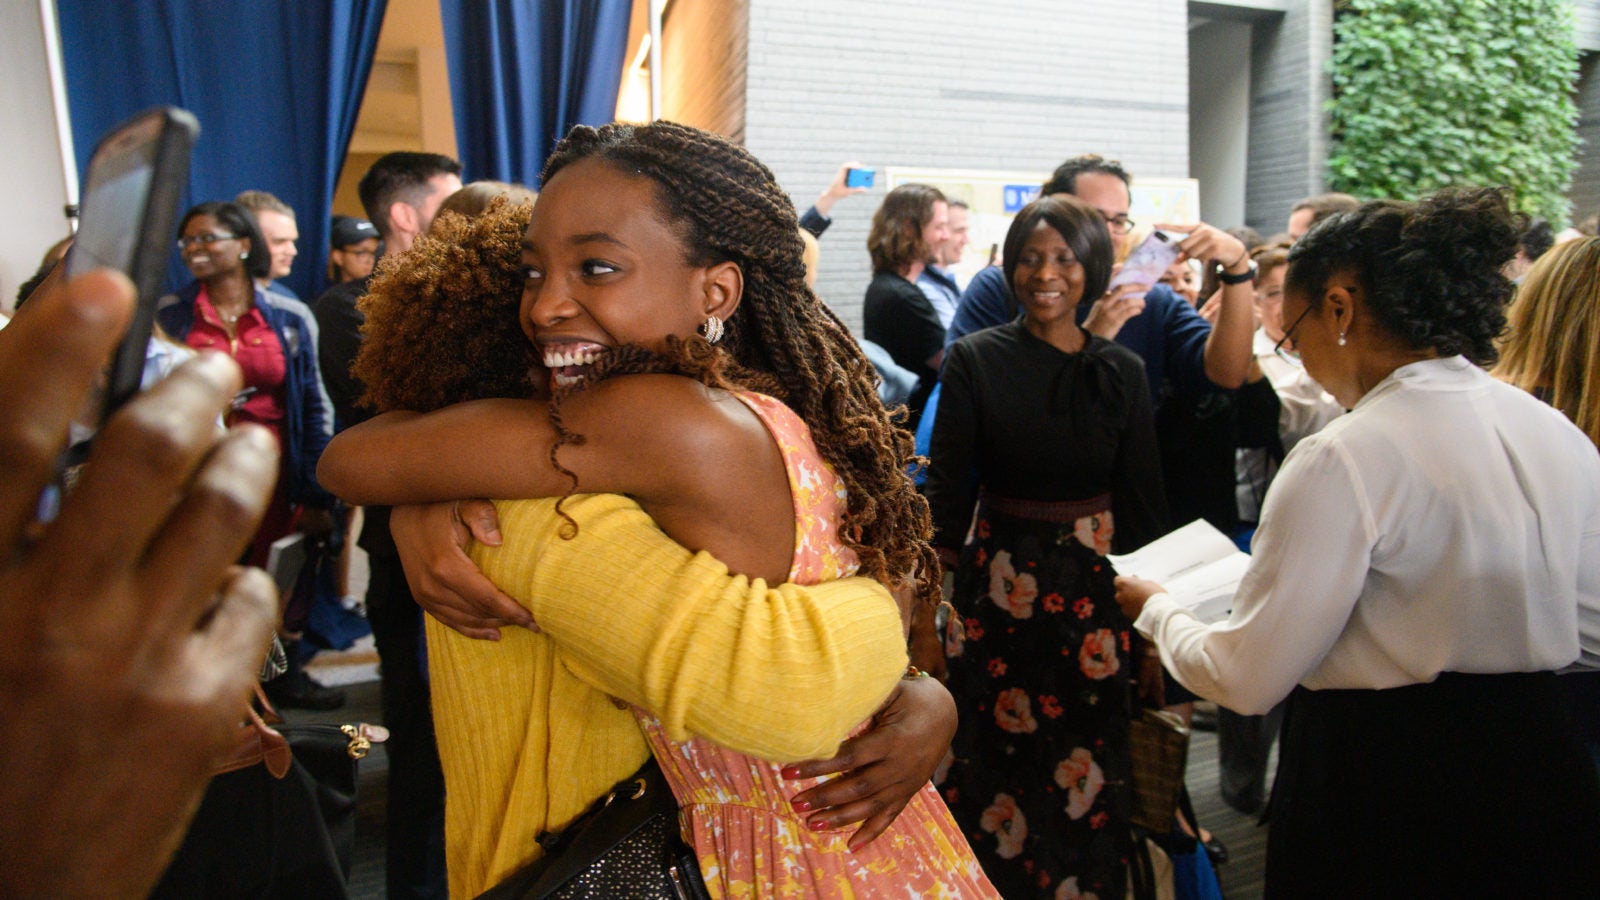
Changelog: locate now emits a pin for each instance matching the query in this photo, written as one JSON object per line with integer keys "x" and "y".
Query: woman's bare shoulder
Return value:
{"x": 661, "y": 414}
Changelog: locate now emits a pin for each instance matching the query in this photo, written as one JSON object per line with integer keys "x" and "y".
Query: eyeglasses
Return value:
{"x": 207, "y": 239}
{"x": 1290, "y": 356}
{"x": 1118, "y": 224}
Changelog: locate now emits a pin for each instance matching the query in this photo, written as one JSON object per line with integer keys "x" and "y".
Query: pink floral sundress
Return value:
{"x": 736, "y": 813}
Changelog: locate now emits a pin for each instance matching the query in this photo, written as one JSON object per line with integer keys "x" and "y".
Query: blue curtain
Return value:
{"x": 276, "y": 87}
{"x": 523, "y": 72}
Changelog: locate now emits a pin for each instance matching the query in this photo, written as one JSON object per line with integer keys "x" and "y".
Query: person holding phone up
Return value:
{"x": 1167, "y": 333}
{"x": 126, "y": 609}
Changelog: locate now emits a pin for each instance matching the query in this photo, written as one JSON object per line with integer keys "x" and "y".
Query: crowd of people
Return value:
{"x": 668, "y": 520}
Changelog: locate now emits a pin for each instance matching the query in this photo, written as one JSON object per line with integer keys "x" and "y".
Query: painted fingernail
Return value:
{"x": 817, "y": 824}
{"x": 801, "y": 805}
{"x": 790, "y": 772}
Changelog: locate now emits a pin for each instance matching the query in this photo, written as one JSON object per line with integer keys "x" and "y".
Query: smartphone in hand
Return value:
{"x": 126, "y": 222}
{"x": 860, "y": 178}
{"x": 1148, "y": 261}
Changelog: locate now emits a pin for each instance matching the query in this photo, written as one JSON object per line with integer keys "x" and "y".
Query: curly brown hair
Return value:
{"x": 442, "y": 318}
{"x": 727, "y": 206}
{"x": 895, "y": 240}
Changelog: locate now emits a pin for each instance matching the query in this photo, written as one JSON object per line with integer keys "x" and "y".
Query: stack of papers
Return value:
{"x": 1197, "y": 564}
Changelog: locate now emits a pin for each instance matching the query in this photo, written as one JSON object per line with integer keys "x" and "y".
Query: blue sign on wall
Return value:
{"x": 1019, "y": 195}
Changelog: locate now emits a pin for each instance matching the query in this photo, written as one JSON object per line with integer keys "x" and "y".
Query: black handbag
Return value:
{"x": 329, "y": 754}
{"x": 628, "y": 844}
{"x": 265, "y": 832}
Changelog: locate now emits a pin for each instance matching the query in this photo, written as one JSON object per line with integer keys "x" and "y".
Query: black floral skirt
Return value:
{"x": 1039, "y": 665}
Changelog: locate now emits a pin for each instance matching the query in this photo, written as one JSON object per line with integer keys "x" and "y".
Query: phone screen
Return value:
{"x": 112, "y": 208}
{"x": 1148, "y": 261}
{"x": 860, "y": 178}
{"x": 126, "y": 220}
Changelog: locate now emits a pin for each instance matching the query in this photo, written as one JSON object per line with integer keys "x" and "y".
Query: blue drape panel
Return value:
{"x": 523, "y": 72}
{"x": 276, "y": 87}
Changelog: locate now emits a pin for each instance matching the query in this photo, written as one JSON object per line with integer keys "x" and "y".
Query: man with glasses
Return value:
{"x": 1175, "y": 343}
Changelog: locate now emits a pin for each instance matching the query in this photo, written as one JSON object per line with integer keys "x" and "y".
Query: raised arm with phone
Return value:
{"x": 1169, "y": 335}
{"x": 128, "y": 641}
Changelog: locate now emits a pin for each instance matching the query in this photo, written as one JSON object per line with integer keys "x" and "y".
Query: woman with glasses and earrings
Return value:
{"x": 1043, "y": 460}
{"x": 1299, "y": 407}
{"x": 274, "y": 340}
{"x": 1424, "y": 565}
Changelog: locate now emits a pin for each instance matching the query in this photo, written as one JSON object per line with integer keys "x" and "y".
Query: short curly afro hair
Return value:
{"x": 442, "y": 318}
{"x": 1430, "y": 270}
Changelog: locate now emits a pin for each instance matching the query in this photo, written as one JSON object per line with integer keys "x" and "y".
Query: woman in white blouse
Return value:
{"x": 1423, "y": 566}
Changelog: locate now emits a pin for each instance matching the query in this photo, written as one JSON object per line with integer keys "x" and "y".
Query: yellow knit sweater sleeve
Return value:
{"x": 782, "y": 673}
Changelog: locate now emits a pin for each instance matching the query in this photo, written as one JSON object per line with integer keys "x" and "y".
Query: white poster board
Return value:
{"x": 995, "y": 196}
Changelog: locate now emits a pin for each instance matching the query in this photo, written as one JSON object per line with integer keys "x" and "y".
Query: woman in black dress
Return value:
{"x": 1043, "y": 460}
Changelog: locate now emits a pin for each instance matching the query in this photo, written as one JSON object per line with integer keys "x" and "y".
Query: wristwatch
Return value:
{"x": 1247, "y": 275}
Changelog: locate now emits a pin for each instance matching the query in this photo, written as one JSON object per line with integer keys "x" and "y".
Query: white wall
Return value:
{"x": 35, "y": 186}
{"x": 958, "y": 84}
{"x": 1219, "y": 118}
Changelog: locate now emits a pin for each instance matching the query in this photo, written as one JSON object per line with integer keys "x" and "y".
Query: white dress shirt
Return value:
{"x": 1449, "y": 523}
{"x": 1303, "y": 408}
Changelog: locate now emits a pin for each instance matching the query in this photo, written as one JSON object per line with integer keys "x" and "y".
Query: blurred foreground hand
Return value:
{"x": 128, "y": 639}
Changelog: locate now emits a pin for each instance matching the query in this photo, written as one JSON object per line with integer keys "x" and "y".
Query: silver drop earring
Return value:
{"x": 712, "y": 329}
{"x": 1341, "y": 339}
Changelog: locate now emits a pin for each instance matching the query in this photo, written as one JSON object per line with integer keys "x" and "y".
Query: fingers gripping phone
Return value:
{"x": 860, "y": 178}
{"x": 1148, "y": 261}
{"x": 128, "y": 211}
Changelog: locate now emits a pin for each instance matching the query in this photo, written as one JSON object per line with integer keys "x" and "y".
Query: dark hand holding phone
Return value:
{"x": 129, "y": 212}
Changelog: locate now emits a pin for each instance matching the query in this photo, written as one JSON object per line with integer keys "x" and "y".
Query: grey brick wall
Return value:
{"x": 1587, "y": 22}
{"x": 957, "y": 84}
{"x": 1288, "y": 129}
{"x": 1585, "y": 190}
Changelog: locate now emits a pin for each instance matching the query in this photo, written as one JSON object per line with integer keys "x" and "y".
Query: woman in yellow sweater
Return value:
{"x": 642, "y": 239}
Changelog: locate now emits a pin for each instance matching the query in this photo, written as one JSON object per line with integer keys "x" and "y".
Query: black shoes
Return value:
{"x": 297, "y": 690}
{"x": 1216, "y": 849}
{"x": 294, "y": 689}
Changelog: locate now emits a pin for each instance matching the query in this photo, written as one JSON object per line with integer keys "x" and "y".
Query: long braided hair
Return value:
{"x": 727, "y": 206}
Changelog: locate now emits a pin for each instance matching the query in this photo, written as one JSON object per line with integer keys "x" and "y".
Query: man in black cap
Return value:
{"x": 401, "y": 192}
{"x": 352, "y": 249}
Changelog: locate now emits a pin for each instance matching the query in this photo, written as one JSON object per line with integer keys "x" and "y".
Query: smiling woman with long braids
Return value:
{"x": 662, "y": 287}
{"x": 1055, "y": 423}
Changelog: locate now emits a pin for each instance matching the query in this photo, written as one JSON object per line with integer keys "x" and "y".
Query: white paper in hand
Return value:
{"x": 1197, "y": 564}
{"x": 285, "y": 559}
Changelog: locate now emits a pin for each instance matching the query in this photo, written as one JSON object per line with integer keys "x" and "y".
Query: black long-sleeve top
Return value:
{"x": 1025, "y": 420}
{"x": 898, "y": 317}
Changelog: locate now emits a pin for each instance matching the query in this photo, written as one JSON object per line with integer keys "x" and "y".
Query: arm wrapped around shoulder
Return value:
{"x": 783, "y": 673}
